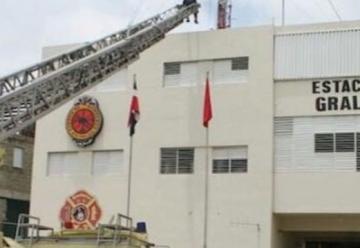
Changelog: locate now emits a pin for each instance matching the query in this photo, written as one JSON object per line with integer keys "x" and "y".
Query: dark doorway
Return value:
{"x": 333, "y": 244}
{"x": 14, "y": 208}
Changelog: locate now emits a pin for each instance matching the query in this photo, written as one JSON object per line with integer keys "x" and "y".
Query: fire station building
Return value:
{"x": 284, "y": 141}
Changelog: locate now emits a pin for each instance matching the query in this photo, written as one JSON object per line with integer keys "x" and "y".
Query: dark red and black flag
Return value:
{"x": 207, "y": 112}
{"x": 134, "y": 114}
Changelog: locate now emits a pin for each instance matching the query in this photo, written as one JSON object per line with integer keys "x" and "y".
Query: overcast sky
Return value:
{"x": 28, "y": 25}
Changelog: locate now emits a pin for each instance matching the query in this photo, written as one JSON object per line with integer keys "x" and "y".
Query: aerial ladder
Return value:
{"x": 29, "y": 94}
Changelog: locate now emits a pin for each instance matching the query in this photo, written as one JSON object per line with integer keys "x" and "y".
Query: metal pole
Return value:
{"x": 283, "y": 13}
{"x": 206, "y": 201}
{"x": 129, "y": 177}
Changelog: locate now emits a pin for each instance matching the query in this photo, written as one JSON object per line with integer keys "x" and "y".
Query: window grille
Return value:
{"x": 221, "y": 165}
{"x": 345, "y": 142}
{"x": 240, "y": 63}
{"x": 324, "y": 142}
{"x": 172, "y": 68}
{"x": 177, "y": 160}
{"x": 358, "y": 151}
{"x": 238, "y": 165}
{"x": 230, "y": 160}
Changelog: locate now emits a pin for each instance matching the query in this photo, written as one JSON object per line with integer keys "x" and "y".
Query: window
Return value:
{"x": 338, "y": 142}
{"x": 230, "y": 71}
{"x": 230, "y": 160}
{"x": 358, "y": 151}
{"x": 324, "y": 142}
{"x": 191, "y": 73}
{"x": 172, "y": 68}
{"x": 107, "y": 162}
{"x": 18, "y": 157}
{"x": 240, "y": 63}
{"x": 64, "y": 163}
{"x": 177, "y": 160}
{"x": 345, "y": 142}
{"x": 180, "y": 74}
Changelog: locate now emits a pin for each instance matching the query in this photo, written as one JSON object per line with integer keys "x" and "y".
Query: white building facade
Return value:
{"x": 283, "y": 142}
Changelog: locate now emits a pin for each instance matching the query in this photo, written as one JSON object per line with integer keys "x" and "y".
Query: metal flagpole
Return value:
{"x": 206, "y": 200}
{"x": 206, "y": 205}
{"x": 129, "y": 177}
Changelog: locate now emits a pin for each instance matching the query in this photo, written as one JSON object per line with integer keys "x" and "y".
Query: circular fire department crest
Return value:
{"x": 84, "y": 121}
{"x": 81, "y": 211}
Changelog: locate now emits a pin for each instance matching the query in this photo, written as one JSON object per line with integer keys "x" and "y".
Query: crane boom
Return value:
{"x": 29, "y": 94}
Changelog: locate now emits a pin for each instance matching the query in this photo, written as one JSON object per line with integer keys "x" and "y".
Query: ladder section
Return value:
{"x": 32, "y": 93}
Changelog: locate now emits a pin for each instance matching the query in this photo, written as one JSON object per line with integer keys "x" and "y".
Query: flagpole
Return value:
{"x": 129, "y": 177}
{"x": 206, "y": 201}
{"x": 134, "y": 107}
{"x": 206, "y": 198}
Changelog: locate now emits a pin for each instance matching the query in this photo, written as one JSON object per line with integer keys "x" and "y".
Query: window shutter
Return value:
{"x": 64, "y": 163}
{"x": 107, "y": 162}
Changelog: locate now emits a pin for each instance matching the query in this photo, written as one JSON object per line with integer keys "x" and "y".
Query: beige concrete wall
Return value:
{"x": 173, "y": 205}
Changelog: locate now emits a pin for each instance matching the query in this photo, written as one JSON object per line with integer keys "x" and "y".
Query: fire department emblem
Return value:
{"x": 80, "y": 211}
{"x": 84, "y": 121}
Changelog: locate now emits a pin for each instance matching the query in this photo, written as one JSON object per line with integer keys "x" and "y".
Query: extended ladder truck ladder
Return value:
{"x": 29, "y": 94}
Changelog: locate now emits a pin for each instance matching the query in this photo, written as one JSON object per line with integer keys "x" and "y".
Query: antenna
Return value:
{"x": 224, "y": 14}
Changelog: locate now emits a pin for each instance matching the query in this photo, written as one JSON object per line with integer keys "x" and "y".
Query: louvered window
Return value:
{"x": 65, "y": 164}
{"x": 229, "y": 160}
{"x": 317, "y": 144}
{"x": 172, "y": 68}
{"x": 345, "y": 142}
{"x": 240, "y": 63}
{"x": 107, "y": 163}
{"x": 177, "y": 160}
{"x": 342, "y": 142}
{"x": 358, "y": 151}
{"x": 324, "y": 142}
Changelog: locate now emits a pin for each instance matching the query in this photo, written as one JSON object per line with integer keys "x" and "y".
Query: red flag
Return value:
{"x": 207, "y": 114}
{"x": 134, "y": 114}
